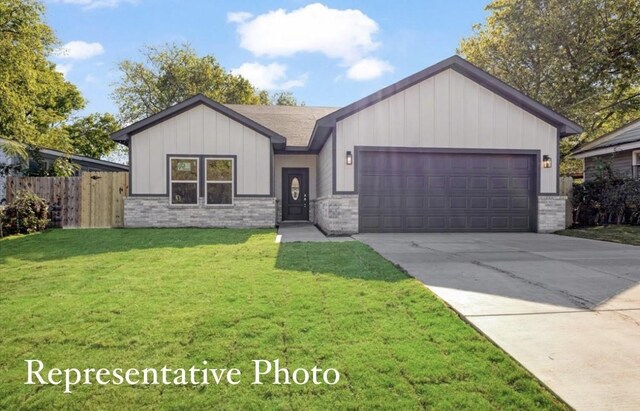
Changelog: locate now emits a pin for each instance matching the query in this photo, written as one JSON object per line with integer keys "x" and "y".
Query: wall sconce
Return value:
{"x": 546, "y": 161}
{"x": 349, "y": 158}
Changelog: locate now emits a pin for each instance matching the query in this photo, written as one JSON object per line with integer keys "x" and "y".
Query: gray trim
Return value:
{"x": 296, "y": 152}
{"x": 125, "y": 133}
{"x": 565, "y": 126}
{"x": 557, "y": 163}
{"x": 130, "y": 168}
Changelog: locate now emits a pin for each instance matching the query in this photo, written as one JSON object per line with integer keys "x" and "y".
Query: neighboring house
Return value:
{"x": 620, "y": 149}
{"x": 450, "y": 148}
{"x": 47, "y": 157}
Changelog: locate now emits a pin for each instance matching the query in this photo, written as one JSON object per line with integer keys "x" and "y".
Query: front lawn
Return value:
{"x": 624, "y": 234}
{"x": 142, "y": 298}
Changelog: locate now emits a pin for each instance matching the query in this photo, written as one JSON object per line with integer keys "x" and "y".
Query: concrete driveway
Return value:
{"x": 568, "y": 309}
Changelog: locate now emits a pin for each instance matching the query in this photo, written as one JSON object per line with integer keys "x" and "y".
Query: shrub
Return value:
{"x": 608, "y": 199}
{"x": 26, "y": 214}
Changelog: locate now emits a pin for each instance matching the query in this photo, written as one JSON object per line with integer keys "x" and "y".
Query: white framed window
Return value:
{"x": 219, "y": 180}
{"x": 635, "y": 163}
{"x": 184, "y": 177}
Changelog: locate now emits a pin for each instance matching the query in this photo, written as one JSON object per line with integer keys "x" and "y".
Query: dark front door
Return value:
{"x": 295, "y": 194}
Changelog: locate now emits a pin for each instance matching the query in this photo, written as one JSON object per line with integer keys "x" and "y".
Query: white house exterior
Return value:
{"x": 450, "y": 148}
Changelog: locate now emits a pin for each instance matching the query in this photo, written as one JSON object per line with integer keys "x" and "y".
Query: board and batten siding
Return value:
{"x": 325, "y": 170}
{"x": 447, "y": 110}
{"x": 200, "y": 131}
{"x": 296, "y": 161}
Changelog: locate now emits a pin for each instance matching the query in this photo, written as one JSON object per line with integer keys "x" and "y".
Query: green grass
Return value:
{"x": 624, "y": 234}
{"x": 147, "y": 298}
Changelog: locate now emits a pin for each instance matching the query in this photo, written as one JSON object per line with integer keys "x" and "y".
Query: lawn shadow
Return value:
{"x": 351, "y": 260}
{"x": 57, "y": 244}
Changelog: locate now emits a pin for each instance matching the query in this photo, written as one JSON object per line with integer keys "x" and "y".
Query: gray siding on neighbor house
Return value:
{"x": 447, "y": 110}
{"x": 620, "y": 161}
{"x": 200, "y": 131}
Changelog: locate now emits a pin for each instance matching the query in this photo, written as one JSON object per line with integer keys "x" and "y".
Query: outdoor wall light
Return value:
{"x": 349, "y": 158}
{"x": 546, "y": 161}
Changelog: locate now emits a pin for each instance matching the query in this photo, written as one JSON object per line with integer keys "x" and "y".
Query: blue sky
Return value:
{"x": 328, "y": 54}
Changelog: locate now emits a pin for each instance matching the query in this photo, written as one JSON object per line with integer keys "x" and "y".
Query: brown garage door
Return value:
{"x": 439, "y": 192}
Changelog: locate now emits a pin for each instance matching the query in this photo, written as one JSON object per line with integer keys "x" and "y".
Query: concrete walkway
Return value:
{"x": 303, "y": 231}
{"x": 568, "y": 309}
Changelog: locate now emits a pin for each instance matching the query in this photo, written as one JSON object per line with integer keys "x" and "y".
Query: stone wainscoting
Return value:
{"x": 551, "y": 213}
{"x": 338, "y": 214}
{"x": 246, "y": 212}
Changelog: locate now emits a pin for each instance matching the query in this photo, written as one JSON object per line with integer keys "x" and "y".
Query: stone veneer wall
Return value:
{"x": 337, "y": 214}
{"x": 246, "y": 212}
{"x": 551, "y": 213}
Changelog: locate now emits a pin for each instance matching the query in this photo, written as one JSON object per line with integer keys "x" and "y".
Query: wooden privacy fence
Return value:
{"x": 566, "y": 189}
{"x": 95, "y": 199}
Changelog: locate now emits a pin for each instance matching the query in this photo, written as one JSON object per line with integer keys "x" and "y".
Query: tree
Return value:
{"x": 581, "y": 58}
{"x": 284, "y": 98}
{"x": 173, "y": 73}
{"x": 34, "y": 98}
{"x": 89, "y": 136}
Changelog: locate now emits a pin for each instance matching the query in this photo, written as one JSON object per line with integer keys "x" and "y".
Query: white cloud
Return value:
{"x": 238, "y": 16}
{"x": 94, "y": 4}
{"x": 79, "y": 50}
{"x": 90, "y": 79}
{"x": 64, "y": 69}
{"x": 269, "y": 77}
{"x": 368, "y": 69}
{"x": 341, "y": 34}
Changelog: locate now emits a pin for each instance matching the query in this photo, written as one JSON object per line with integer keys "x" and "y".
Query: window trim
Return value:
{"x": 196, "y": 181}
{"x": 232, "y": 181}
{"x": 635, "y": 164}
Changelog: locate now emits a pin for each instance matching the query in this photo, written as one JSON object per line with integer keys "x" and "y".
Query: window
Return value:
{"x": 219, "y": 181}
{"x": 635, "y": 164}
{"x": 183, "y": 181}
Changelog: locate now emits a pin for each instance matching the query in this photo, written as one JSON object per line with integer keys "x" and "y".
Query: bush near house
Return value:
{"x": 26, "y": 214}
{"x": 609, "y": 198}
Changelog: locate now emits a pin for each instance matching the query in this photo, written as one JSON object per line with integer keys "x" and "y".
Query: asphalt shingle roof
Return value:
{"x": 629, "y": 135}
{"x": 295, "y": 123}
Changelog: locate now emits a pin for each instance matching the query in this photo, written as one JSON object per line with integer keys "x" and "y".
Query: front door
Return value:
{"x": 295, "y": 194}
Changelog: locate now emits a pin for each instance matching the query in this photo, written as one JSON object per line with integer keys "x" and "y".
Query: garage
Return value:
{"x": 447, "y": 191}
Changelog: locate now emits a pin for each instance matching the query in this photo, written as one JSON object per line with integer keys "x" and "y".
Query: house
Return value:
{"x": 46, "y": 159}
{"x": 449, "y": 148}
{"x": 620, "y": 149}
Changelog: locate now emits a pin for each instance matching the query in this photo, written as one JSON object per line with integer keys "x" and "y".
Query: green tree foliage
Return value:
{"x": 89, "y": 136}
{"x": 172, "y": 73}
{"x": 581, "y": 58}
{"x": 284, "y": 98}
{"x": 34, "y": 98}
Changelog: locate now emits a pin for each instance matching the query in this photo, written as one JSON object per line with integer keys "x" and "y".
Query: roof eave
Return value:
{"x": 565, "y": 126}
{"x": 123, "y": 135}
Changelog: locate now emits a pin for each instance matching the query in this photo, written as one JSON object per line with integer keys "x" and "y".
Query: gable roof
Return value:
{"x": 625, "y": 136}
{"x": 295, "y": 123}
{"x": 124, "y": 134}
{"x": 95, "y": 162}
{"x": 565, "y": 126}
